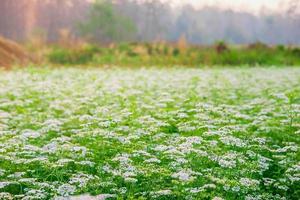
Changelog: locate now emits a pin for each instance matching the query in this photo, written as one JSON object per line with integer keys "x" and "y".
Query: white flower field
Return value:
{"x": 172, "y": 133}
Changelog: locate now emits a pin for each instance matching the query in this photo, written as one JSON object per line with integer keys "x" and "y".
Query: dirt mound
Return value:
{"x": 12, "y": 53}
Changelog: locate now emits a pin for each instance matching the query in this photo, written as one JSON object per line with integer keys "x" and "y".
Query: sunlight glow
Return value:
{"x": 237, "y": 5}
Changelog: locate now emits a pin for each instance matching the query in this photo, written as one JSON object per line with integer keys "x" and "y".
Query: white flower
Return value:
{"x": 27, "y": 180}
{"x": 230, "y": 140}
{"x": 183, "y": 175}
{"x": 88, "y": 197}
{"x": 195, "y": 190}
{"x": 30, "y": 134}
{"x": 161, "y": 193}
{"x": 123, "y": 140}
{"x": 52, "y": 125}
{"x": 4, "y": 184}
{"x": 161, "y": 148}
{"x": 80, "y": 149}
{"x": 249, "y": 182}
{"x": 80, "y": 179}
{"x": 66, "y": 190}
{"x": 130, "y": 180}
{"x": 152, "y": 160}
{"x": 236, "y": 189}
{"x": 50, "y": 148}
{"x": 35, "y": 194}
{"x": 182, "y": 115}
{"x": 129, "y": 174}
{"x": 227, "y": 163}
{"x": 217, "y": 198}
{"x": 87, "y": 163}
{"x": 6, "y": 196}
{"x": 250, "y": 197}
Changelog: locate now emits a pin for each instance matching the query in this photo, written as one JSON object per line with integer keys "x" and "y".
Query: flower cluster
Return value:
{"x": 150, "y": 134}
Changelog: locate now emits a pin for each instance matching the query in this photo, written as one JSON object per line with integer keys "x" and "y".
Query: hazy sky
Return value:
{"x": 245, "y": 5}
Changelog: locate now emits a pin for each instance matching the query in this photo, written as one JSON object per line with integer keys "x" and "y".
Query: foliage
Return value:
{"x": 150, "y": 133}
{"x": 72, "y": 56}
{"x": 106, "y": 25}
{"x": 161, "y": 54}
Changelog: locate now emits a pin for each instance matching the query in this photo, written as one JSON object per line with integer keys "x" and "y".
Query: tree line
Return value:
{"x": 144, "y": 21}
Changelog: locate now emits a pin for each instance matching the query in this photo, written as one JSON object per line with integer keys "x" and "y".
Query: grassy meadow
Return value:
{"x": 150, "y": 133}
{"x": 169, "y": 54}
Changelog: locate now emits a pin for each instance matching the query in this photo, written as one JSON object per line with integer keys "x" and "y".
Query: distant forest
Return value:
{"x": 152, "y": 20}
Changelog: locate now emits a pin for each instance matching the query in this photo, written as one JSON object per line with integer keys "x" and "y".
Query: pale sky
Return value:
{"x": 242, "y": 5}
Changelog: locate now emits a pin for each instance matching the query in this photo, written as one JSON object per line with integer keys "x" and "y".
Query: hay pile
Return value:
{"x": 12, "y": 53}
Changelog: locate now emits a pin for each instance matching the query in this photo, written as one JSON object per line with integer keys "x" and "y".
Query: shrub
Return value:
{"x": 148, "y": 54}
{"x": 221, "y": 47}
{"x": 66, "y": 56}
{"x": 176, "y": 52}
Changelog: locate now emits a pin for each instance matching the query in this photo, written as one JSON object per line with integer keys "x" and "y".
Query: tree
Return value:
{"x": 154, "y": 18}
{"x": 293, "y": 6}
{"x": 13, "y": 18}
{"x": 105, "y": 25}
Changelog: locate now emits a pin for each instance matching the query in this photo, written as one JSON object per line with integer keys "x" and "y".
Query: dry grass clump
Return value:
{"x": 12, "y": 53}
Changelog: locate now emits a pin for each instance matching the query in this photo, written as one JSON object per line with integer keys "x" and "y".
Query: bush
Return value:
{"x": 221, "y": 47}
{"x": 148, "y": 54}
{"x": 66, "y": 56}
{"x": 176, "y": 52}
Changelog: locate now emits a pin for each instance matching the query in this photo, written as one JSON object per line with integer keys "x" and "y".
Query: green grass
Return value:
{"x": 172, "y": 133}
{"x": 169, "y": 55}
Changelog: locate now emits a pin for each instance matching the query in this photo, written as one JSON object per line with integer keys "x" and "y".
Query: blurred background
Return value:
{"x": 162, "y": 27}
